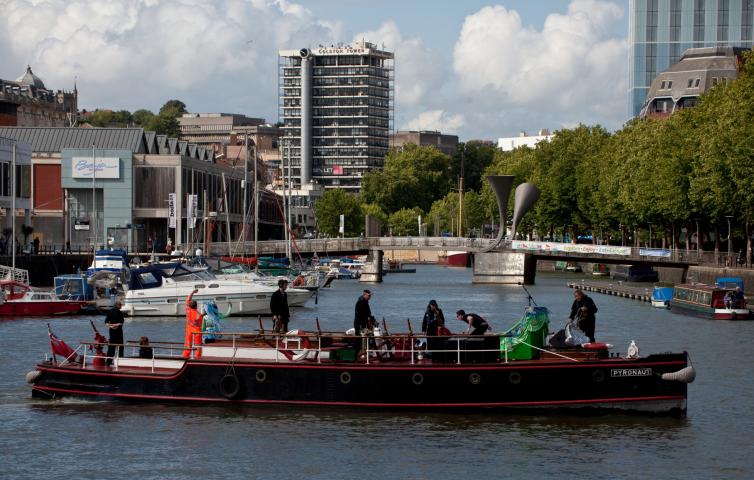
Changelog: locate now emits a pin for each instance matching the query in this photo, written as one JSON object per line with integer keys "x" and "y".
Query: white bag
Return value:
{"x": 574, "y": 335}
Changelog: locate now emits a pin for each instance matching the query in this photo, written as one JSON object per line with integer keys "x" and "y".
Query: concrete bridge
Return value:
{"x": 510, "y": 262}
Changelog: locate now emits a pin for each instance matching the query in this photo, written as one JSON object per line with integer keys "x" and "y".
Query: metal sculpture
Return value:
{"x": 501, "y": 185}
{"x": 526, "y": 196}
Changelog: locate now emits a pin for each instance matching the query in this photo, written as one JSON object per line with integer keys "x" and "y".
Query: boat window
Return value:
{"x": 199, "y": 285}
{"x": 213, "y": 285}
{"x": 707, "y": 298}
{"x": 172, "y": 300}
{"x": 147, "y": 278}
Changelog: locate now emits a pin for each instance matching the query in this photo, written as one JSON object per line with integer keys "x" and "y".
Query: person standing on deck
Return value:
{"x": 114, "y": 322}
{"x": 193, "y": 327}
{"x": 279, "y": 307}
{"x": 476, "y": 324}
{"x": 583, "y": 310}
{"x": 433, "y": 320}
{"x": 361, "y": 318}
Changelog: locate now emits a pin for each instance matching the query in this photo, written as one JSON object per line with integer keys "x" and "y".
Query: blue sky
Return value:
{"x": 476, "y": 69}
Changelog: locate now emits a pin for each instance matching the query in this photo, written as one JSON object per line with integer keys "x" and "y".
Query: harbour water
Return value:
{"x": 85, "y": 439}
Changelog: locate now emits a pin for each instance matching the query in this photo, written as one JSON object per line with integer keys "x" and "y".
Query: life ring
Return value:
{"x": 261, "y": 376}
{"x": 230, "y": 386}
{"x": 598, "y": 376}
{"x": 345, "y": 378}
{"x": 514, "y": 378}
{"x": 417, "y": 378}
{"x": 298, "y": 281}
{"x": 475, "y": 378}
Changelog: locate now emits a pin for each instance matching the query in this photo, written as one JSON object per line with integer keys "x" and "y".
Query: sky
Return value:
{"x": 480, "y": 70}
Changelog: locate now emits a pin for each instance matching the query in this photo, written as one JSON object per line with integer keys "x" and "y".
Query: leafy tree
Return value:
{"x": 173, "y": 108}
{"x": 476, "y": 157}
{"x": 405, "y": 221}
{"x": 331, "y": 205}
{"x": 142, "y": 117}
{"x": 109, "y": 118}
{"x": 164, "y": 125}
{"x": 413, "y": 177}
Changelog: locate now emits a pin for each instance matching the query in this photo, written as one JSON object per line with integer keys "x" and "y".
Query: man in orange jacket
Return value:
{"x": 193, "y": 327}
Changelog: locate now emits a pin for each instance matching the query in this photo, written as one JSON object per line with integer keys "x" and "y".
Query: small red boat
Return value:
{"x": 18, "y": 298}
{"x": 454, "y": 259}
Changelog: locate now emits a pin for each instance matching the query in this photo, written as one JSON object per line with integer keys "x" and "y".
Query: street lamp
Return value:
{"x": 650, "y": 234}
{"x": 698, "y": 238}
{"x": 730, "y": 241}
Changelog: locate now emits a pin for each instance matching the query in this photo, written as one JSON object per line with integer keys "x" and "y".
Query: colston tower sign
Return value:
{"x": 340, "y": 51}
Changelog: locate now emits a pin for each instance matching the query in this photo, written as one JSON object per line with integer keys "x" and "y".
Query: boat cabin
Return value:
{"x": 708, "y": 300}
{"x": 634, "y": 273}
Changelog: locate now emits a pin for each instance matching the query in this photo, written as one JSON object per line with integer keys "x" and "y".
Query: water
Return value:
{"x": 85, "y": 439}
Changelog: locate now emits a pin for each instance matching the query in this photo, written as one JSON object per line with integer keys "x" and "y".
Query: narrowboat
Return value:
{"x": 561, "y": 266}
{"x": 600, "y": 270}
{"x": 708, "y": 301}
{"x": 514, "y": 370}
{"x": 661, "y": 296}
{"x": 454, "y": 259}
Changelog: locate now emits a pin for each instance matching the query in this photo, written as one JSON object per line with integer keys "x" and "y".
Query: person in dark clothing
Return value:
{"x": 279, "y": 307}
{"x": 582, "y": 311}
{"x": 114, "y": 322}
{"x": 739, "y": 300}
{"x": 36, "y": 245}
{"x": 362, "y": 318}
{"x": 477, "y": 324}
{"x": 433, "y": 320}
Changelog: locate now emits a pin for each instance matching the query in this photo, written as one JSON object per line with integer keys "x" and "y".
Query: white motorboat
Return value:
{"x": 161, "y": 290}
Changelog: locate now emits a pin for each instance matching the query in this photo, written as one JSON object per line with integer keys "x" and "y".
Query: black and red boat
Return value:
{"x": 513, "y": 370}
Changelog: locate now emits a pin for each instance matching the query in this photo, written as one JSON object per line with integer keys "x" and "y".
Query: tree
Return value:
{"x": 142, "y": 117}
{"x": 164, "y": 125}
{"x": 412, "y": 177}
{"x": 331, "y": 205}
{"x": 476, "y": 157}
{"x": 405, "y": 221}
{"x": 109, "y": 118}
{"x": 173, "y": 108}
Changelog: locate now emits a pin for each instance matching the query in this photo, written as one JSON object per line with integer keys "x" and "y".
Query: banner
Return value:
{"x": 193, "y": 206}
{"x": 171, "y": 210}
{"x": 342, "y": 228}
{"x": 654, "y": 252}
{"x": 107, "y": 167}
{"x": 571, "y": 248}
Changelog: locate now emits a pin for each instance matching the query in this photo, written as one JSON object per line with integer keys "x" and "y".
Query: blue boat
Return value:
{"x": 661, "y": 296}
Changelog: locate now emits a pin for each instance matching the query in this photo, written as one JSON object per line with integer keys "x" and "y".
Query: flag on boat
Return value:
{"x": 58, "y": 346}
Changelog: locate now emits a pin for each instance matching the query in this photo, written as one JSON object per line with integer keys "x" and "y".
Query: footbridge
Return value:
{"x": 493, "y": 262}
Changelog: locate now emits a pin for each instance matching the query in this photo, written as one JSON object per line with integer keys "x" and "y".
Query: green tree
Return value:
{"x": 331, "y": 205}
{"x": 164, "y": 125}
{"x": 109, "y": 118}
{"x": 476, "y": 157}
{"x": 405, "y": 221}
{"x": 173, "y": 108}
{"x": 412, "y": 177}
{"x": 142, "y": 117}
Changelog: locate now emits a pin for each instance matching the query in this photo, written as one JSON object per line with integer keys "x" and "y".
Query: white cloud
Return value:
{"x": 569, "y": 71}
{"x": 418, "y": 69}
{"x": 438, "y": 120}
{"x": 130, "y": 54}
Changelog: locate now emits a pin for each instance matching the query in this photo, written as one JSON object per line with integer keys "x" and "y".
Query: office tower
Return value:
{"x": 336, "y": 105}
{"x": 659, "y": 31}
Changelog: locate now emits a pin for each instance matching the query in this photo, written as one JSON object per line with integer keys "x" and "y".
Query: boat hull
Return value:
{"x": 40, "y": 309}
{"x": 454, "y": 259}
{"x": 709, "y": 312}
{"x": 614, "y": 383}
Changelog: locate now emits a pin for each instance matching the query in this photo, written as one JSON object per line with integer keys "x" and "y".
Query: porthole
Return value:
{"x": 598, "y": 376}
{"x": 261, "y": 376}
{"x": 514, "y": 378}
{"x": 417, "y": 378}
{"x": 475, "y": 378}
{"x": 345, "y": 378}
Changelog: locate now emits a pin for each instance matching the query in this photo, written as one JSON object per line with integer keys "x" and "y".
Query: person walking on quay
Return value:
{"x": 433, "y": 320}
{"x": 583, "y": 310}
{"x": 476, "y": 324}
{"x": 279, "y": 308}
{"x": 193, "y": 327}
{"x": 114, "y": 321}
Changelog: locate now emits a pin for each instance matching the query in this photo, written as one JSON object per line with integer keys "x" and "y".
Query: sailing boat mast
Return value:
{"x": 13, "y": 207}
{"x": 460, "y": 197}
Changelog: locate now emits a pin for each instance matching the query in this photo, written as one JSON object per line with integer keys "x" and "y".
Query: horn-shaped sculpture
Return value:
{"x": 526, "y": 196}
{"x": 501, "y": 185}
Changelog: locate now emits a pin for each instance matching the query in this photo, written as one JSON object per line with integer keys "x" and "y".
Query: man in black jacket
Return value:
{"x": 279, "y": 307}
{"x": 114, "y": 322}
{"x": 361, "y": 318}
{"x": 583, "y": 310}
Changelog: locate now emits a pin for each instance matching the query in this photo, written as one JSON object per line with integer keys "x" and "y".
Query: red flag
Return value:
{"x": 58, "y": 346}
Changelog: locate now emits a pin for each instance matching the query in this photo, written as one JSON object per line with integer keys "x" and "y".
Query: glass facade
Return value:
{"x": 661, "y": 30}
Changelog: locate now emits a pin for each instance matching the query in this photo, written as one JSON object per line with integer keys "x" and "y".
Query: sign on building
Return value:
{"x": 107, "y": 167}
{"x": 171, "y": 210}
{"x": 193, "y": 206}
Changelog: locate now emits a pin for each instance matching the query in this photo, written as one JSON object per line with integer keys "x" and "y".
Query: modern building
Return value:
{"x": 12, "y": 151}
{"x": 680, "y": 86}
{"x": 507, "y": 144}
{"x": 26, "y": 102}
{"x": 447, "y": 144}
{"x": 336, "y": 105}
{"x": 125, "y": 201}
{"x": 661, "y": 30}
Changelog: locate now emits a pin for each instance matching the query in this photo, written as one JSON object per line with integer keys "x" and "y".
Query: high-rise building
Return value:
{"x": 336, "y": 105}
{"x": 661, "y": 30}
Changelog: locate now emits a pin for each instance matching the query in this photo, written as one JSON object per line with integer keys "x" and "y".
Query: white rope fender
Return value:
{"x": 685, "y": 375}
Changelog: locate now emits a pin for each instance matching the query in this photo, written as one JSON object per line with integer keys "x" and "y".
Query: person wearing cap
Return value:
{"x": 362, "y": 317}
{"x": 433, "y": 320}
{"x": 477, "y": 324}
{"x": 114, "y": 321}
{"x": 279, "y": 307}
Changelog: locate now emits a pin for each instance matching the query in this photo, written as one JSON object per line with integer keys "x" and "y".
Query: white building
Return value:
{"x": 507, "y": 144}
{"x": 9, "y": 149}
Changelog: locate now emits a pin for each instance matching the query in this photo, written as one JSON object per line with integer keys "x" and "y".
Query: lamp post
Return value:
{"x": 650, "y": 234}
{"x": 620, "y": 229}
{"x": 730, "y": 241}
{"x": 636, "y": 237}
{"x": 698, "y": 239}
